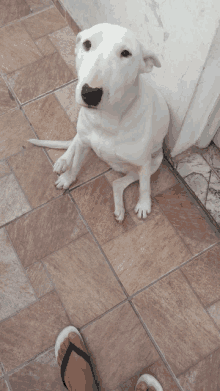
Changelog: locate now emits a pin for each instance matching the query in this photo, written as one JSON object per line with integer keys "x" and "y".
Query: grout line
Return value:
{"x": 212, "y": 303}
{"x": 197, "y": 362}
{"x": 102, "y": 315}
{"x": 198, "y": 298}
{"x": 99, "y": 246}
{"x": 171, "y": 271}
{"x": 195, "y": 200}
{"x": 28, "y": 16}
{"x": 49, "y": 92}
{"x": 162, "y": 356}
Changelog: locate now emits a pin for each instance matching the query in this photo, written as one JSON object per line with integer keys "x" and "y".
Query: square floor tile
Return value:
{"x": 177, "y": 321}
{"x": 95, "y": 200}
{"x": 159, "y": 371}
{"x": 66, "y": 97}
{"x": 35, "y": 175}
{"x": 49, "y": 119}
{"x": 3, "y": 385}
{"x": 65, "y": 40}
{"x": 14, "y": 133}
{"x": 7, "y": 101}
{"x": 38, "y": 5}
{"x": 212, "y": 156}
{"x": 187, "y": 218}
{"x": 203, "y": 274}
{"x": 31, "y": 331}
{"x": 213, "y": 197}
{"x": 17, "y": 48}
{"x": 204, "y": 376}
{"x": 45, "y": 45}
{"x": 214, "y": 311}
{"x": 44, "y": 23}
{"x": 45, "y": 230}
{"x": 119, "y": 346}
{"x": 80, "y": 271}
{"x": 4, "y": 168}
{"x": 40, "y": 77}
{"x": 16, "y": 291}
{"x": 147, "y": 252}
{"x": 43, "y": 373}
{"x": 12, "y": 10}
{"x": 39, "y": 279}
{"x": 12, "y": 200}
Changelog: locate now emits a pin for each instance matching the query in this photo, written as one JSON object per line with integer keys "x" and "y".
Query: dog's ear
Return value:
{"x": 149, "y": 59}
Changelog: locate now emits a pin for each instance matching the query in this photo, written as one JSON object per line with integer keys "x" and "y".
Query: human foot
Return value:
{"x": 75, "y": 370}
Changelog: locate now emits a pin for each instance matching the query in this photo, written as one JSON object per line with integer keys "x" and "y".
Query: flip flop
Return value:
{"x": 63, "y": 335}
{"x": 150, "y": 381}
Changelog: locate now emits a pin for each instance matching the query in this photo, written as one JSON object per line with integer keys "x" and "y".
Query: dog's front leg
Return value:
{"x": 69, "y": 176}
{"x": 64, "y": 162}
{"x": 143, "y": 206}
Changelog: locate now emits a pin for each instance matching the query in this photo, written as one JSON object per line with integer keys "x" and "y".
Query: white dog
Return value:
{"x": 122, "y": 118}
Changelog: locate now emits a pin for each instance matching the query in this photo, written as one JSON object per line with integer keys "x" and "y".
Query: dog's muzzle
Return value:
{"x": 91, "y": 96}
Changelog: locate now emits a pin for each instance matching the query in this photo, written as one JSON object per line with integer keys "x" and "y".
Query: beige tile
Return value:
{"x": 203, "y": 274}
{"x": 38, "y": 5}
{"x": 66, "y": 97}
{"x": 49, "y": 119}
{"x": 7, "y": 101}
{"x": 188, "y": 218}
{"x": 35, "y": 175}
{"x": 14, "y": 133}
{"x": 204, "y": 376}
{"x": 60, "y": 8}
{"x": 12, "y": 10}
{"x": 177, "y": 321}
{"x": 39, "y": 279}
{"x": 159, "y": 371}
{"x": 147, "y": 252}
{"x": 64, "y": 40}
{"x": 119, "y": 346}
{"x": 44, "y": 23}
{"x": 95, "y": 200}
{"x": 4, "y": 168}
{"x": 12, "y": 200}
{"x": 45, "y": 230}
{"x": 72, "y": 23}
{"x": 212, "y": 156}
{"x": 31, "y": 331}
{"x": 40, "y": 77}
{"x": 214, "y": 311}
{"x": 43, "y": 373}
{"x": 45, "y": 45}
{"x": 17, "y": 48}
{"x": 3, "y": 385}
{"x": 80, "y": 271}
{"x": 16, "y": 291}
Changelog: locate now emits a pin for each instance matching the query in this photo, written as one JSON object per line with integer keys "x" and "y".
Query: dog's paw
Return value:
{"x": 64, "y": 181}
{"x": 119, "y": 213}
{"x": 143, "y": 208}
{"x": 60, "y": 166}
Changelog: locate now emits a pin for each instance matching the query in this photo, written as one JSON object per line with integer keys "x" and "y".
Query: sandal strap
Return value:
{"x": 80, "y": 352}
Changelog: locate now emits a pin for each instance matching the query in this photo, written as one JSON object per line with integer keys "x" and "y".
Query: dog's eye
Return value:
{"x": 126, "y": 53}
{"x": 87, "y": 45}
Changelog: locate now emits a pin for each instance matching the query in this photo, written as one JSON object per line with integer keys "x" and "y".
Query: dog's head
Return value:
{"x": 108, "y": 60}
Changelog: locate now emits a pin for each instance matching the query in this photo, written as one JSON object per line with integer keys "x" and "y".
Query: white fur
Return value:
{"x": 128, "y": 126}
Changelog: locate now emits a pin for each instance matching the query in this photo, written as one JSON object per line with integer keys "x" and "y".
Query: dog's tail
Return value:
{"x": 51, "y": 144}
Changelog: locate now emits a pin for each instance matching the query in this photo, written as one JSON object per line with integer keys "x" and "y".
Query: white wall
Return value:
{"x": 179, "y": 31}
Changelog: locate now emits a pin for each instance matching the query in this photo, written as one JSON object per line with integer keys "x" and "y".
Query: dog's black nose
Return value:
{"x": 91, "y": 96}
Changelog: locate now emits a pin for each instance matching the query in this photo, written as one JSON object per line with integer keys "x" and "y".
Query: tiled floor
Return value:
{"x": 145, "y": 294}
